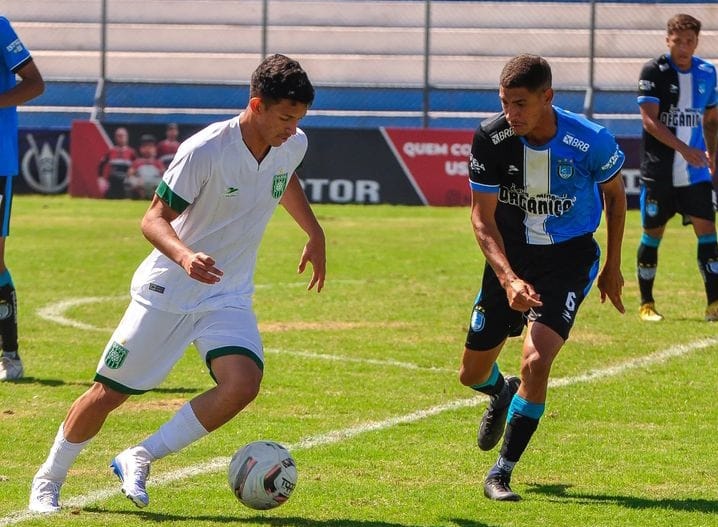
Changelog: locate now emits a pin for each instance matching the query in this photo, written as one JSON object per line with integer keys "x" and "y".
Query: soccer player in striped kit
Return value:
{"x": 678, "y": 100}
{"x": 540, "y": 177}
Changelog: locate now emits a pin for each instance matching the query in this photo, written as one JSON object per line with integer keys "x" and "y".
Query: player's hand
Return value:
{"x": 610, "y": 284}
{"x": 521, "y": 295}
{"x": 696, "y": 157}
{"x": 315, "y": 253}
{"x": 201, "y": 267}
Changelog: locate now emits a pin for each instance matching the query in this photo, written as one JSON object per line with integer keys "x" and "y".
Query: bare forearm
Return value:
{"x": 661, "y": 132}
{"x": 615, "y": 212}
{"x": 159, "y": 232}
{"x": 710, "y": 134}
{"x": 491, "y": 244}
{"x": 295, "y": 202}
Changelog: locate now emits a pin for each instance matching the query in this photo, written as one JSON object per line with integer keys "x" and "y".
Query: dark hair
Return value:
{"x": 279, "y": 77}
{"x": 526, "y": 71}
{"x": 681, "y": 22}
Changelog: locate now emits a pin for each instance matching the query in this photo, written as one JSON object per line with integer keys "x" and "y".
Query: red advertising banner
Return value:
{"x": 435, "y": 161}
{"x": 89, "y": 143}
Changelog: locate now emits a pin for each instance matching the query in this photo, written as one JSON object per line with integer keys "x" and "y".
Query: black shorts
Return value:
{"x": 562, "y": 274}
{"x": 6, "y": 183}
{"x": 660, "y": 202}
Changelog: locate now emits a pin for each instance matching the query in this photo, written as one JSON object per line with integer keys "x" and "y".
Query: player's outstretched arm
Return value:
{"x": 610, "y": 279}
{"x": 295, "y": 202}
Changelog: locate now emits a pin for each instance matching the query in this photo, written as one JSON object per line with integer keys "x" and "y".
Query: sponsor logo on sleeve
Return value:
{"x": 645, "y": 85}
{"x": 15, "y": 46}
{"x": 476, "y": 167}
{"x": 612, "y": 160}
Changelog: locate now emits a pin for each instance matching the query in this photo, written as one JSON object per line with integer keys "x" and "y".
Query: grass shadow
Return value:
{"x": 269, "y": 521}
{"x": 59, "y": 382}
{"x": 630, "y": 502}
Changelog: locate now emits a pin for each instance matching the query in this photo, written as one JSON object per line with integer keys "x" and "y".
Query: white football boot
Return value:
{"x": 44, "y": 496}
{"x": 132, "y": 466}
{"x": 10, "y": 369}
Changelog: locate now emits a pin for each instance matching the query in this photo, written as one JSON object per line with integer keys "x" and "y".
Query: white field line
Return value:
{"x": 345, "y": 358}
{"x": 55, "y": 312}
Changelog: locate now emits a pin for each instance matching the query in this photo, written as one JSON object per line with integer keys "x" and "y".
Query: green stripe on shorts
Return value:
{"x": 117, "y": 386}
{"x": 232, "y": 350}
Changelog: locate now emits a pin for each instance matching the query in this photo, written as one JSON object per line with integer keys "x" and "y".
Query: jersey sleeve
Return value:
{"x": 607, "y": 158}
{"x": 482, "y": 175}
{"x": 183, "y": 180}
{"x": 14, "y": 54}
{"x": 648, "y": 85}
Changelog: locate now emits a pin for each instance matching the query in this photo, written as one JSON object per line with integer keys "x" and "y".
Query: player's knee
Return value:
{"x": 237, "y": 395}
{"x": 473, "y": 374}
{"x": 105, "y": 397}
{"x": 535, "y": 365}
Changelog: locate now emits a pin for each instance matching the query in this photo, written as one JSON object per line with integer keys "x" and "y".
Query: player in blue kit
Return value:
{"x": 539, "y": 177}
{"x": 678, "y": 100}
{"x": 15, "y": 60}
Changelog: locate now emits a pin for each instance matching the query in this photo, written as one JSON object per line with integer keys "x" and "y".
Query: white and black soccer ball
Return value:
{"x": 262, "y": 475}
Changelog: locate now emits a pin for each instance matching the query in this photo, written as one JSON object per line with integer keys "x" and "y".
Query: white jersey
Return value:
{"x": 225, "y": 199}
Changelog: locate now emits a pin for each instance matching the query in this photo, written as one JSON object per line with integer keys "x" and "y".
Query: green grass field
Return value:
{"x": 361, "y": 383}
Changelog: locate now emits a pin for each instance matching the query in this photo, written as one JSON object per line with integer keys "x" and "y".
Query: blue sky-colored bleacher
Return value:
{"x": 334, "y": 107}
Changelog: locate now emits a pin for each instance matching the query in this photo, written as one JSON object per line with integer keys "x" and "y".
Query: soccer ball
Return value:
{"x": 262, "y": 475}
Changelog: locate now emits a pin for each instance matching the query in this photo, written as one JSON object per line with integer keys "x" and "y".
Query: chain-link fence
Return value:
{"x": 414, "y": 58}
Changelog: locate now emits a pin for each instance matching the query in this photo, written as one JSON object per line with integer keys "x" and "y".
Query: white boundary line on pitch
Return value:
{"x": 345, "y": 358}
{"x": 337, "y": 436}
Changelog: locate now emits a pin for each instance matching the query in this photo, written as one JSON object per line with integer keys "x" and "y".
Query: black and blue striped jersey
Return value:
{"x": 546, "y": 194}
{"x": 682, "y": 98}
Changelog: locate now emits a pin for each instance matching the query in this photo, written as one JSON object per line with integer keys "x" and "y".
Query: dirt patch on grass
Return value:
{"x": 136, "y": 403}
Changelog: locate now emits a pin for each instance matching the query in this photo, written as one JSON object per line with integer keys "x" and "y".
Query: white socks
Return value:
{"x": 184, "y": 428}
{"x": 61, "y": 457}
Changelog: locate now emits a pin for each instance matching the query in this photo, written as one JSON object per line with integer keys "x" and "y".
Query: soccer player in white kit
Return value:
{"x": 205, "y": 221}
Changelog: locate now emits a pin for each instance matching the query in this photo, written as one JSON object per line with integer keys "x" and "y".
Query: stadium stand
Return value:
{"x": 190, "y": 61}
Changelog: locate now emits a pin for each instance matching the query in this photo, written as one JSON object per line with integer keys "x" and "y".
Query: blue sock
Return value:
{"x": 6, "y": 279}
{"x": 493, "y": 385}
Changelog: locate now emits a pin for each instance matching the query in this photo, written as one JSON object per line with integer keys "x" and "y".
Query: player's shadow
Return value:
{"x": 59, "y": 382}
{"x": 49, "y": 382}
{"x": 630, "y": 502}
{"x": 463, "y": 522}
{"x": 269, "y": 521}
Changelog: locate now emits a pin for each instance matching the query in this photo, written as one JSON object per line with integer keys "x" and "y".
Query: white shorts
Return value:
{"x": 148, "y": 342}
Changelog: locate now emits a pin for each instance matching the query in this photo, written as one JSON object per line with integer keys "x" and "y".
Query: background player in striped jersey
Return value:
{"x": 15, "y": 60}
{"x": 206, "y": 222}
{"x": 678, "y": 99}
{"x": 539, "y": 176}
